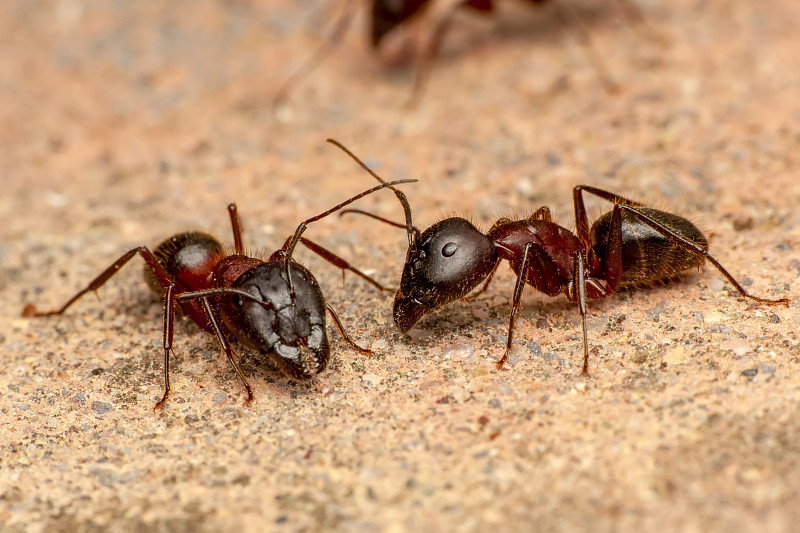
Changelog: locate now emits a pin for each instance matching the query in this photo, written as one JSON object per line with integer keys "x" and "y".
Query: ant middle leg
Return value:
{"x": 538, "y": 269}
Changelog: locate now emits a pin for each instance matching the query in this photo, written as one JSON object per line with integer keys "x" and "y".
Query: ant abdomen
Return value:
{"x": 648, "y": 256}
{"x": 189, "y": 258}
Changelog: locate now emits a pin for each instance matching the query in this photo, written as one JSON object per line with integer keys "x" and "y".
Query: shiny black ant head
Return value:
{"x": 386, "y": 15}
{"x": 289, "y": 329}
{"x": 447, "y": 261}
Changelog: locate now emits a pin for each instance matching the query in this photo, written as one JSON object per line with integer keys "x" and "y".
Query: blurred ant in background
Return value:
{"x": 630, "y": 247}
{"x": 387, "y": 16}
{"x": 275, "y": 307}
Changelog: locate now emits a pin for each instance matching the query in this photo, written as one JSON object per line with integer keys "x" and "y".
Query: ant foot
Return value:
{"x": 160, "y": 404}
{"x": 365, "y": 351}
{"x": 249, "y": 401}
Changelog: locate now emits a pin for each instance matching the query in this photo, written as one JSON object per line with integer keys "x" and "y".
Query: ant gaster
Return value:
{"x": 275, "y": 307}
{"x": 631, "y": 246}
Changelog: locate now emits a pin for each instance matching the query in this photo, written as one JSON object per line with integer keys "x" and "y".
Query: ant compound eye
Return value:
{"x": 449, "y": 249}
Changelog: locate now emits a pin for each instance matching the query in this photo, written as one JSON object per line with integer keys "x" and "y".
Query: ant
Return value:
{"x": 386, "y": 16}
{"x": 275, "y": 307}
{"x": 630, "y": 247}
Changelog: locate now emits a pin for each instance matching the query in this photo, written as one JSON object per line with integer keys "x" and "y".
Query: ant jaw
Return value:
{"x": 300, "y": 360}
{"x": 408, "y": 311}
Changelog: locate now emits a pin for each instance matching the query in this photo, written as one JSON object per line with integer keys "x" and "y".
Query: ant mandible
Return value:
{"x": 631, "y": 246}
{"x": 275, "y": 307}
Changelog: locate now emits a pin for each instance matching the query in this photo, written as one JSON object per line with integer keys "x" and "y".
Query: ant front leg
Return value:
{"x": 151, "y": 261}
{"x": 538, "y": 269}
{"x": 344, "y": 334}
{"x": 543, "y": 213}
{"x": 214, "y": 321}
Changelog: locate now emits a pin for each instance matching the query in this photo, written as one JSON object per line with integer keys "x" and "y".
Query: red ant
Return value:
{"x": 386, "y": 16}
{"x": 632, "y": 246}
{"x": 275, "y": 307}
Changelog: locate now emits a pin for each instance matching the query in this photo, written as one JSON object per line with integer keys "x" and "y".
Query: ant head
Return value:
{"x": 447, "y": 261}
{"x": 289, "y": 328}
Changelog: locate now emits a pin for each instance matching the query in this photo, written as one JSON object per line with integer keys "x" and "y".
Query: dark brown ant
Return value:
{"x": 631, "y": 246}
{"x": 274, "y": 307}
{"x": 387, "y": 16}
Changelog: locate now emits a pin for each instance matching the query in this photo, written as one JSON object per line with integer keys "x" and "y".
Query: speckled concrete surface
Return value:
{"x": 122, "y": 123}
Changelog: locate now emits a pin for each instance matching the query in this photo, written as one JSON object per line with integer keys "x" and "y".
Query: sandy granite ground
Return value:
{"x": 122, "y": 123}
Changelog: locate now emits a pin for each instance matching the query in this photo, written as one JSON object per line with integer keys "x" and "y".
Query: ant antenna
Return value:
{"x": 413, "y": 233}
{"x": 290, "y": 245}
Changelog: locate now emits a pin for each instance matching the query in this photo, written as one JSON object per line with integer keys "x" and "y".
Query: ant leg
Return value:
{"x": 515, "y": 304}
{"x": 236, "y": 226}
{"x": 581, "y": 220}
{"x": 169, "y": 314}
{"x": 539, "y": 270}
{"x": 570, "y": 21}
{"x": 579, "y": 275}
{"x": 319, "y": 55}
{"x": 150, "y": 259}
{"x": 344, "y": 334}
{"x": 637, "y": 21}
{"x": 613, "y": 253}
{"x": 226, "y": 347}
{"x": 429, "y": 55}
{"x": 337, "y": 261}
{"x": 700, "y": 252}
{"x": 543, "y": 213}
